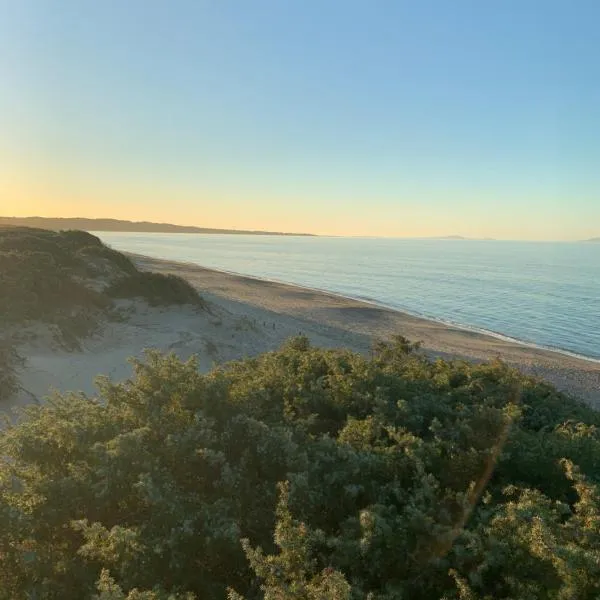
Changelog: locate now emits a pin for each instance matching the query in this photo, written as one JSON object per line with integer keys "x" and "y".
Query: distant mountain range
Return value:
{"x": 124, "y": 226}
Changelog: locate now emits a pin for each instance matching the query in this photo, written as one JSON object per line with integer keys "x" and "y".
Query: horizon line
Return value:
{"x": 232, "y": 230}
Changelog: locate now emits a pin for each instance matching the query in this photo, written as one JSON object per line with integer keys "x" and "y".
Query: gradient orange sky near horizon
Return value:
{"x": 459, "y": 119}
{"x": 54, "y": 192}
{"x": 417, "y": 223}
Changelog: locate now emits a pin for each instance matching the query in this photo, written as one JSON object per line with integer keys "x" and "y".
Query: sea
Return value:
{"x": 544, "y": 294}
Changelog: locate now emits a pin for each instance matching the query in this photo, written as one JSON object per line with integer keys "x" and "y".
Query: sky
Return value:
{"x": 386, "y": 118}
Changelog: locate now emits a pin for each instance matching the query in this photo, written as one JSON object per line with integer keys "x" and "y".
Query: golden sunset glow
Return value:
{"x": 223, "y": 132}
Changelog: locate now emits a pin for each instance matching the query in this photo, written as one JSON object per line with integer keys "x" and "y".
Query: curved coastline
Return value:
{"x": 377, "y": 303}
{"x": 333, "y": 320}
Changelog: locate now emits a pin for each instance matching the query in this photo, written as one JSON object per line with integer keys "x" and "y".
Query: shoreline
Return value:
{"x": 355, "y": 323}
{"x": 376, "y": 303}
{"x": 371, "y": 302}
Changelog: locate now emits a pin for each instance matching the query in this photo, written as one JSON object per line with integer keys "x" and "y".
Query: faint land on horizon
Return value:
{"x": 462, "y": 237}
{"x": 124, "y": 226}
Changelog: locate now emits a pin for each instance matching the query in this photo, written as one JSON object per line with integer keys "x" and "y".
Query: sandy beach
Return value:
{"x": 332, "y": 320}
{"x": 249, "y": 316}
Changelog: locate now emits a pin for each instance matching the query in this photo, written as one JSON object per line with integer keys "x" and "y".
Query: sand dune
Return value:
{"x": 249, "y": 316}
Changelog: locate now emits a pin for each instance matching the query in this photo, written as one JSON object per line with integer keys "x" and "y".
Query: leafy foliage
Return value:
{"x": 54, "y": 276}
{"x": 157, "y": 289}
{"x": 8, "y": 361}
{"x": 289, "y": 574}
{"x": 40, "y": 278}
{"x": 390, "y": 477}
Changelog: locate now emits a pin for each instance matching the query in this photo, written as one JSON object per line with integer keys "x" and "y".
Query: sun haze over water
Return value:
{"x": 345, "y": 118}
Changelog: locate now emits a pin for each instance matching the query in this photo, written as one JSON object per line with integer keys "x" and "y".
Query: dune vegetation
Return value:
{"x": 68, "y": 282}
{"x": 157, "y": 289}
{"x": 304, "y": 474}
{"x": 301, "y": 474}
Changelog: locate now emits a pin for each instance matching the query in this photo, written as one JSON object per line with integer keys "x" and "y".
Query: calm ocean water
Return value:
{"x": 543, "y": 293}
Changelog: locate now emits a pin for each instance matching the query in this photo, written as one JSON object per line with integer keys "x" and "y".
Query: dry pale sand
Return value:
{"x": 249, "y": 316}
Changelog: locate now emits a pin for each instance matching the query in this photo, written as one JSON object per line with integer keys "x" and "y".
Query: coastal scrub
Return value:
{"x": 304, "y": 474}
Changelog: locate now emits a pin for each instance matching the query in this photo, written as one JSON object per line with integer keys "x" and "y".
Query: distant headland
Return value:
{"x": 58, "y": 224}
{"x": 596, "y": 239}
{"x": 462, "y": 237}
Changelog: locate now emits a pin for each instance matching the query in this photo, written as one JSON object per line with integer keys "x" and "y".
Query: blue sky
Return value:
{"x": 374, "y": 118}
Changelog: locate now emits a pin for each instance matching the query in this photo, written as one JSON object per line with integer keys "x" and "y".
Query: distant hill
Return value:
{"x": 461, "y": 237}
{"x": 125, "y": 226}
{"x": 597, "y": 240}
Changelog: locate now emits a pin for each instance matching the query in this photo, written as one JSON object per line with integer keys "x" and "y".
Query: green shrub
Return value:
{"x": 76, "y": 239}
{"x": 35, "y": 287}
{"x": 33, "y": 241}
{"x": 53, "y": 277}
{"x": 116, "y": 259}
{"x": 405, "y": 479}
{"x": 9, "y": 359}
{"x": 157, "y": 289}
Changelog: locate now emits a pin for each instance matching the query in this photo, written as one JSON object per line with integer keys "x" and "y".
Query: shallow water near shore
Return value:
{"x": 543, "y": 293}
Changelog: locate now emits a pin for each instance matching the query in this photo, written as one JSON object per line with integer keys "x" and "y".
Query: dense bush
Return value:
{"x": 157, "y": 289}
{"x": 110, "y": 256}
{"x": 41, "y": 277}
{"x": 9, "y": 359}
{"x": 61, "y": 246}
{"x": 58, "y": 278}
{"x": 35, "y": 287}
{"x": 392, "y": 476}
{"x": 76, "y": 239}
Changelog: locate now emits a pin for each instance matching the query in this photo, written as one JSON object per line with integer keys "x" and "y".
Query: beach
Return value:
{"x": 335, "y": 321}
{"x": 249, "y": 316}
